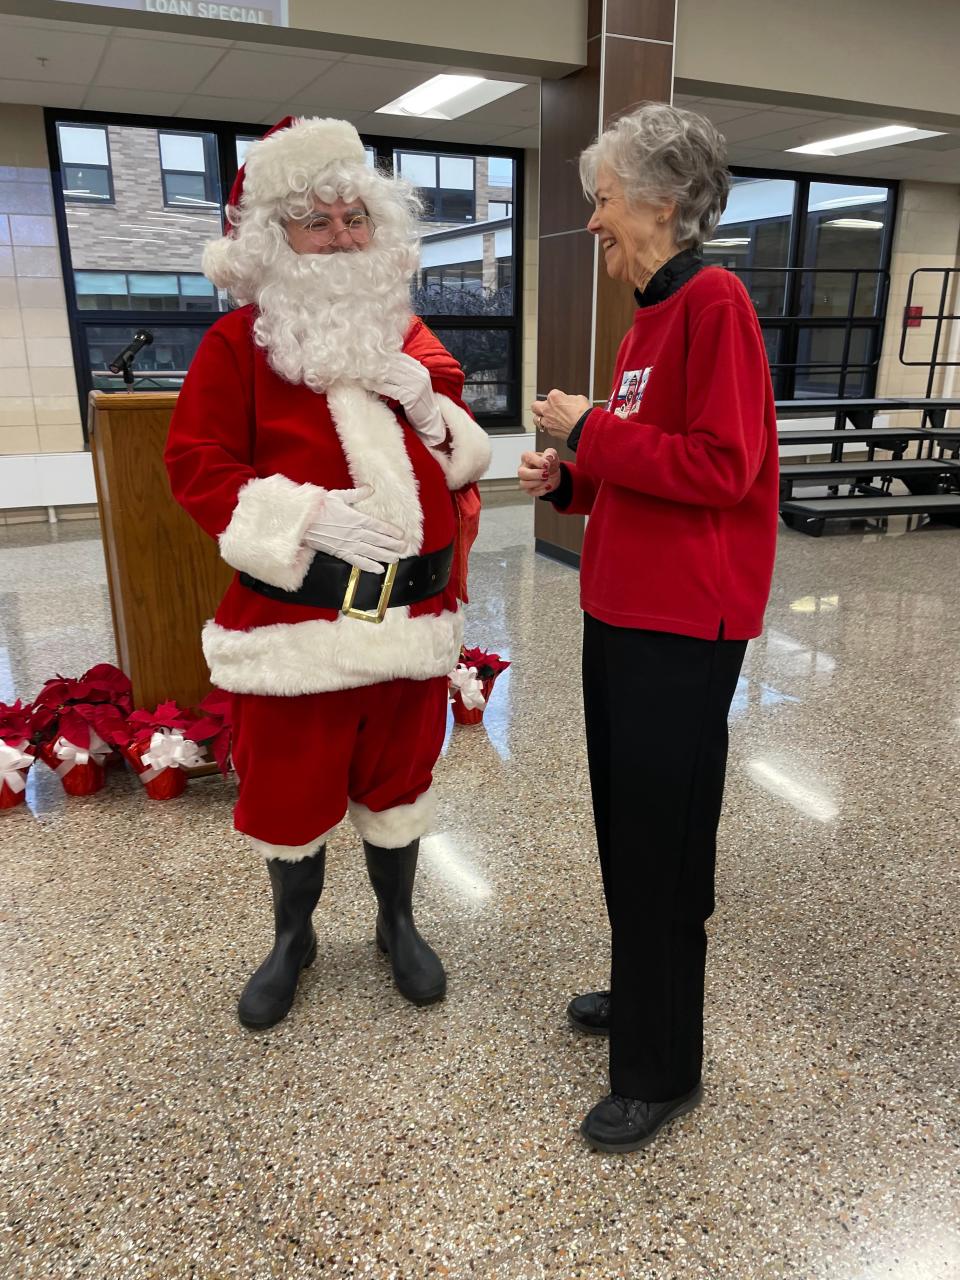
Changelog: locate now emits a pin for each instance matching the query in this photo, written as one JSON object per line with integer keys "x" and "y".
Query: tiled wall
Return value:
{"x": 39, "y": 411}
{"x": 927, "y": 234}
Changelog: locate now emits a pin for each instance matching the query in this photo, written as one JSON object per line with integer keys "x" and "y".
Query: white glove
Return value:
{"x": 409, "y": 382}
{"x": 342, "y": 531}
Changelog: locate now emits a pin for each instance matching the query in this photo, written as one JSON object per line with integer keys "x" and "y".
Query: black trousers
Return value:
{"x": 656, "y": 709}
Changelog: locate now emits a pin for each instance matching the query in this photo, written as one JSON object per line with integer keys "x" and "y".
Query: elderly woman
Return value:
{"x": 678, "y": 474}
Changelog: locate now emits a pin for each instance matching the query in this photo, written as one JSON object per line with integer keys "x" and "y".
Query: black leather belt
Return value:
{"x": 333, "y": 584}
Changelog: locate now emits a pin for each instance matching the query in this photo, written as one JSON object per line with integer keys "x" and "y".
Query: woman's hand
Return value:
{"x": 539, "y": 473}
{"x": 559, "y": 413}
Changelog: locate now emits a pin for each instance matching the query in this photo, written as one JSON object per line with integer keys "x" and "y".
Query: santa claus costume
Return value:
{"x": 321, "y": 437}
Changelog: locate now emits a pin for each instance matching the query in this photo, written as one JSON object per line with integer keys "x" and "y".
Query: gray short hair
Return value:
{"x": 663, "y": 154}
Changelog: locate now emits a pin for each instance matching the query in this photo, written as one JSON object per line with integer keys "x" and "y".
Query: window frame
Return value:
{"x": 225, "y": 132}
{"x": 90, "y": 125}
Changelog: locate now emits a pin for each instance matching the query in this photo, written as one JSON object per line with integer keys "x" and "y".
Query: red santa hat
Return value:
{"x": 289, "y": 157}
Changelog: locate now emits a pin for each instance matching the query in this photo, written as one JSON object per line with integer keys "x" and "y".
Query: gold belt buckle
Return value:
{"x": 369, "y": 615}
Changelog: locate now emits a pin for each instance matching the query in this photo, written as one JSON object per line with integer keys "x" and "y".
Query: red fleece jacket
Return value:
{"x": 679, "y": 474}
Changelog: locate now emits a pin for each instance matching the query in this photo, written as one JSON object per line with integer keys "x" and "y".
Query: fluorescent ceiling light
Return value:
{"x": 727, "y": 243}
{"x": 855, "y": 224}
{"x": 448, "y": 97}
{"x": 870, "y": 139}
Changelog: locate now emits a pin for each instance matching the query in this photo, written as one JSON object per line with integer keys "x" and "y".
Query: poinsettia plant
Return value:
{"x": 141, "y": 725}
{"x": 214, "y": 727}
{"x": 16, "y": 723}
{"x": 488, "y": 665}
{"x": 98, "y": 701}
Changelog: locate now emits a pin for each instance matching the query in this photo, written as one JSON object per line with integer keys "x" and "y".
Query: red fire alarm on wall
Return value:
{"x": 912, "y": 317}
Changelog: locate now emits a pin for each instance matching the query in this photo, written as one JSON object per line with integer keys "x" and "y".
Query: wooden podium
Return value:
{"x": 165, "y": 574}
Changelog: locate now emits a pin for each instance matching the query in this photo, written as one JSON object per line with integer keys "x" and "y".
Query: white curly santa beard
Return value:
{"x": 325, "y": 318}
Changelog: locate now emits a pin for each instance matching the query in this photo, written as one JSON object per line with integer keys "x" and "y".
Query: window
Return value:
{"x": 85, "y": 163}
{"x": 243, "y": 146}
{"x": 189, "y": 168}
{"x": 143, "y": 291}
{"x": 812, "y": 254}
{"x": 447, "y": 184}
{"x": 499, "y": 172}
{"x": 138, "y": 264}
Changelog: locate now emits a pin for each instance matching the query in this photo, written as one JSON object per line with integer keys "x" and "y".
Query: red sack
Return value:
{"x": 467, "y": 505}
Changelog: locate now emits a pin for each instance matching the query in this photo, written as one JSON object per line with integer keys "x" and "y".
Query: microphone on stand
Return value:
{"x": 142, "y": 338}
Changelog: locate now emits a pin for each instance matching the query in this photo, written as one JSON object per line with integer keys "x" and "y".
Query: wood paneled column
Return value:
{"x": 581, "y": 314}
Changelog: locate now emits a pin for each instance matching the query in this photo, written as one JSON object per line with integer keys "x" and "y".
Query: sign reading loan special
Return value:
{"x": 268, "y": 13}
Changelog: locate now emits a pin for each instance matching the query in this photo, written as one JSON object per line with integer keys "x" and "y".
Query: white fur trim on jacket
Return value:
{"x": 288, "y": 852}
{"x": 265, "y": 534}
{"x": 372, "y": 442}
{"x": 471, "y": 449}
{"x": 395, "y": 828}
{"x": 315, "y": 657}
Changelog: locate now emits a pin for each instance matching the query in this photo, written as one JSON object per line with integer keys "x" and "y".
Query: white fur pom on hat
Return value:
{"x": 289, "y": 157}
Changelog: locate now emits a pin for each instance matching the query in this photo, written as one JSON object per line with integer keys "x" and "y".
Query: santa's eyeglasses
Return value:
{"x": 325, "y": 231}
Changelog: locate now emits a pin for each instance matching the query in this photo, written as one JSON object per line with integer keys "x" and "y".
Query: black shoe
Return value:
{"x": 626, "y": 1124}
{"x": 590, "y": 1013}
{"x": 297, "y": 886}
{"x": 417, "y": 970}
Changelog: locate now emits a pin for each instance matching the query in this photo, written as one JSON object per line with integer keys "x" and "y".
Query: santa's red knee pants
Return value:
{"x": 301, "y": 762}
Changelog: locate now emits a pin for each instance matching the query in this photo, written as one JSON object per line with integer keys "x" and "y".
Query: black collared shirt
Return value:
{"x": 665, "y": 282}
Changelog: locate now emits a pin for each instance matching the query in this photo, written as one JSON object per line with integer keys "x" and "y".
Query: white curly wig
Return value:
{"x": 321, "y": 316}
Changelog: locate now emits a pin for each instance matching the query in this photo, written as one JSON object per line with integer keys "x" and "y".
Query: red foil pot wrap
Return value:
{"x": 471, "y": 715}
{"x": 79, "y": 779}
{"x": 167, "y": 785}
{"x": 10, "y": 797}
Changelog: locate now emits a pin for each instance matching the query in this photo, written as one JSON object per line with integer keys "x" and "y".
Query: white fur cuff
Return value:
{"x": 265, "y": 535}
{"x": 395, "y": 828}
{"x": 288, "y": 852}
{"x": 471, "y": 451}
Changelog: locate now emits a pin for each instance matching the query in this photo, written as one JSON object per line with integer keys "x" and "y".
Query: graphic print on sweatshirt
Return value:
{"x": 630, "y": 392}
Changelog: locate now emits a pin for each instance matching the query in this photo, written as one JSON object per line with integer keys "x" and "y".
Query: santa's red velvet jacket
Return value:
{"x": 250, "y": 456}
{"x": 681, "y": 486}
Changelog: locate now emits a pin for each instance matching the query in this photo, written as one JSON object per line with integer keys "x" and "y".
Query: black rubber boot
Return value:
{"x": 417, "y": 970}
{"x": 297, "y": 886}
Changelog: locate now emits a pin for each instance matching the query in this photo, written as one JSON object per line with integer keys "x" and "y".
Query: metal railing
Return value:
{"x": 797, "y": 313}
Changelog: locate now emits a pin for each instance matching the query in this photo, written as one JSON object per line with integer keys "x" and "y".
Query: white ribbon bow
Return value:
{"x": 466, "y": 681}
{"x": 72, "y": 755}
{"x": 169, "y": 749}
{"x": 12, "y": 760}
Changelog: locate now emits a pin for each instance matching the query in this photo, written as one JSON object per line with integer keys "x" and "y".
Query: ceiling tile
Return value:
{"x": 521, "y": 138}
{"x": 242, "y": 110}
{"x": 364, "y": 88}
{"x": 520, "y": 108}
{"x": 391, "y": 126}
{"x": 134, "y": 101}
{"x": 310, "y": 106}
{"x": 154, "y": 65}
{"x": 272, "y": 75}
{"x": 70, "y": 58}
{"x": 42, "y": 94}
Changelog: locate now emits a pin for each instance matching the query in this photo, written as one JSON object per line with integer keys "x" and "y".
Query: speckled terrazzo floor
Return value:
{"x": 145, "y": 1134}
